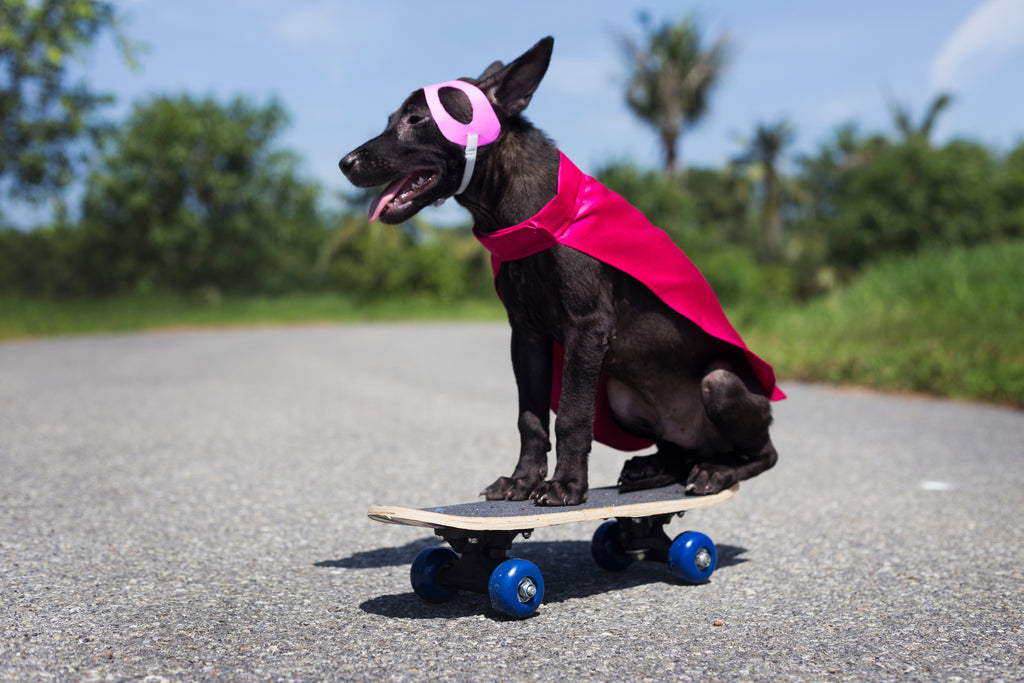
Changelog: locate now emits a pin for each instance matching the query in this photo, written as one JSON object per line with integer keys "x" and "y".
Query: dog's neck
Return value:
{"x": 514, "y": 180}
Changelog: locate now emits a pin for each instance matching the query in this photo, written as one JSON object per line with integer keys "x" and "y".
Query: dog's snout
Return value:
{"x": 348, "y": 162}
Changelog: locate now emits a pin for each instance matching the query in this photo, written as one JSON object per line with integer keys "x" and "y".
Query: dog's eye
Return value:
{"x": 413, "y": 119}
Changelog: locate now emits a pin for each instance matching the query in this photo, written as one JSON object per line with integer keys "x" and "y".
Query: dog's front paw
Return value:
{"x": 706, "y": 479}
{"x": 507, "y": 488}
{"x": 560, "y": 493}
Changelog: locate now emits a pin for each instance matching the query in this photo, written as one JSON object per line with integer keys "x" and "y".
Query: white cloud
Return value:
{"x": 992, "y": 31}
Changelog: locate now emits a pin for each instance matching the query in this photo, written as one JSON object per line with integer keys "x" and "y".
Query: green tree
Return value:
{"x": 671, "y": 77}
{"x": 872, "y": 198}
{"x": 193, "y": 194}
{"x": 42, "y": 115}
{"x": 920, "y": 133}
{"x": 763, "y": 154}
{"x": 721, "y": 200}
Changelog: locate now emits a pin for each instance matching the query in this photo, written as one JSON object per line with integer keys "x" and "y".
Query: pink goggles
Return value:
{"x": 482, "y": 129}
{"x": 484, "y": 123}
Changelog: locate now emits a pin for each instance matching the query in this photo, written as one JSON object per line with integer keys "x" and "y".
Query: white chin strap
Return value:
{"x": 467, "y": 172}
{"x": 482, "y": 129}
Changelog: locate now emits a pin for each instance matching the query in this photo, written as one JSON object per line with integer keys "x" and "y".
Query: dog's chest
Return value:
{"x": 549, "y": 291}
{"x": 531, "y": 294}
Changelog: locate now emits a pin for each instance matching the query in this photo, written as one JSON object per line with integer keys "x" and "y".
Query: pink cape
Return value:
{"x": 588, "y": 217}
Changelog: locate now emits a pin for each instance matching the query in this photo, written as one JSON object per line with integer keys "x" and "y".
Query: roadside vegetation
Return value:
{"x": 24, "y": 318}
{"x": 879, "y": 259}
{"x": 945, "y": 322}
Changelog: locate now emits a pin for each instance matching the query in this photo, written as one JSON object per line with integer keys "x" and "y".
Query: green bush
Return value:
{"x": 875, "y": 198}
{"x": 373, "y": 261}
{"x": 738, "y": 278}
{"x": 946, "y": 321}
{"x": 1010, "y": 190}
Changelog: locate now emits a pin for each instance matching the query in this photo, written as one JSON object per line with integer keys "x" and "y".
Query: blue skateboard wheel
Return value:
{"x": 516, "y": 588}
{"x": 606, "y": 548}
{"x": 426, "y": 570}
{"x": 692, "y": 557}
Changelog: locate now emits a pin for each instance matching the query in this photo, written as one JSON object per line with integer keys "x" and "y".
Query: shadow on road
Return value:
{"x": 382, "y": 557}
{"x": 569, "y": 574}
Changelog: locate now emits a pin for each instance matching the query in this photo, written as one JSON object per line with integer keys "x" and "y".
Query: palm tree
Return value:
{"x": 671, "y": 77}
{"x": 763, "y": 153}
{"x": 921, "y": 133}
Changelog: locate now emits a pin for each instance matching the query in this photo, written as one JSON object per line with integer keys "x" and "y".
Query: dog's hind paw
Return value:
{"x": 507, "y": 488}
{"x": 706, "y": 479}
{"x": 645, "y": 472}
{"x": 560, "y": 493}
{"x": 650, "y": 472}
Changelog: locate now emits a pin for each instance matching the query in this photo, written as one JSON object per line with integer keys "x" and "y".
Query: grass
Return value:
{"x": 22, "y": 318}
{"x": 947, "y": 323}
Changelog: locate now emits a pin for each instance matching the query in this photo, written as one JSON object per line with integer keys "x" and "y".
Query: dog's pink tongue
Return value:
{"x": 389, "y": 193}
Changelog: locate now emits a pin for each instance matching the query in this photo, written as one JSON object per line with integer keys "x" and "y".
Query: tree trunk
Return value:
{"x": 673, "y": 164}
{"x": 772, "y": 217}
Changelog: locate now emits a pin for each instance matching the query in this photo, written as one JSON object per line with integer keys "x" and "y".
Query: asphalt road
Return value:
{"x": 191, "y": 506}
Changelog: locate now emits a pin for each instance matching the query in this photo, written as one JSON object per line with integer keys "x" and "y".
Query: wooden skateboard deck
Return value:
{"x": 481, "y": 533}
{"x": 497, "y": 515}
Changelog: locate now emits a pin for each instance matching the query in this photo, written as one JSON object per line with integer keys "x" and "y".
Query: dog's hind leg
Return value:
{"x": 741, "y": 418}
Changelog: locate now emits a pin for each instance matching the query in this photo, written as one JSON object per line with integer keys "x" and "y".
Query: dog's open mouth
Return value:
{"x": 401, "y": 193}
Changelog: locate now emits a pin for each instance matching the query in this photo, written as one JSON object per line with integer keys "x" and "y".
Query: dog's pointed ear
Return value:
{"x": 494, "y": 68}
{"x": 511, "y": 87}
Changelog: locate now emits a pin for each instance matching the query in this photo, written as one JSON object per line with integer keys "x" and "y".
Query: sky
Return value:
{"x": 340, "y": 67}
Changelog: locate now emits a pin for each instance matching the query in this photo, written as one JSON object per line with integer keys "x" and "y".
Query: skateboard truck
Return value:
{"x": 691, "y": 555}
{"x": 480, "y": 553}
{"x": 644, "y": 538}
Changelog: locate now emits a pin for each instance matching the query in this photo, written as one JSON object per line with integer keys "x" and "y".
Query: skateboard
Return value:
{"x": 480, "y": 535}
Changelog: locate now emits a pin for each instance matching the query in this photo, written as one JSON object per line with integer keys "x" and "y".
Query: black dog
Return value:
{"x": 609, "y": 337}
